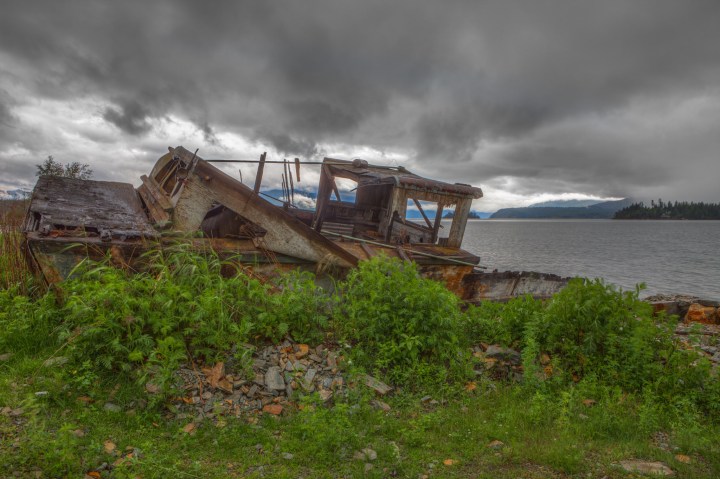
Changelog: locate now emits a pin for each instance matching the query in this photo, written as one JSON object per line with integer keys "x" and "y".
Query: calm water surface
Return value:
{"x": 668, "y": 256}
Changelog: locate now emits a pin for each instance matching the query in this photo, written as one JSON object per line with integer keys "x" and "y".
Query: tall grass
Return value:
{"x": 14, "y": 271}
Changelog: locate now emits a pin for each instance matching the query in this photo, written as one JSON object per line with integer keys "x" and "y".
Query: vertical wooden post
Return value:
{"x": 457, "y": 229}
{"x": 438, "y": 219}
{"x": 258, "y": 177}
{"x": 297, "y": 169}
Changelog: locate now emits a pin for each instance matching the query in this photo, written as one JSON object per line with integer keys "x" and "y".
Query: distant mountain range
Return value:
{"x": 16, "y": 194}
{"x": 603, "y": 210}
{"x": 565, "y": 203}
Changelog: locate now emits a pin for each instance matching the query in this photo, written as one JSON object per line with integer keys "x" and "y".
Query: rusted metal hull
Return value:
{"x": 55, "y": 258}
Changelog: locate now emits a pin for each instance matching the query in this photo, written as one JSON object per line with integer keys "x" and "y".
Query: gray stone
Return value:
{"x": 647, "y": 467}
{"x": 273, "y": 379}
{"x": 287, "y": 456}
{"x": 378, "y": 386}
{"x": 505, "y": 354}
{"x": 112, "y": 407}
{"x": 331, "y": 360}
{"x": 41, "y": 394}
{"x": 310, "y": 375}
{"x": 370, "y": 454}
{"x": 56, "y": 361}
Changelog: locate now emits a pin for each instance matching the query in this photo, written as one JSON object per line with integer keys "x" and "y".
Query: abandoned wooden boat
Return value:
{"x": 70, "y": 219}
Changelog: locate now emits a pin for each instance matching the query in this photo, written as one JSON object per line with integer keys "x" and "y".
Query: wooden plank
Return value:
{"x": 258, "y": 177}
{"x": 422, "y": 212}
{"x": 157, "y": 194}
{"x": 297, "y": 169}
{"x": 438, "y": 220}
{"x": 403, "y": 255}
{"x": 160, "y": 217}
{"x": 457, "y": 229}
{"x": 367, "y": 249}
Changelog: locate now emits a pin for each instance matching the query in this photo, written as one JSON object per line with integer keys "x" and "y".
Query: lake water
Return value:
{"x": 672, "y": 257}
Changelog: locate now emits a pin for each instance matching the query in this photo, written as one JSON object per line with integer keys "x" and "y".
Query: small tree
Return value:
{"x": 50, "y": 167}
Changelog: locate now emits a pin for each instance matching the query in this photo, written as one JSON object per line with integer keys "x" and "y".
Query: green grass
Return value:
{"x": 117, "y": 330}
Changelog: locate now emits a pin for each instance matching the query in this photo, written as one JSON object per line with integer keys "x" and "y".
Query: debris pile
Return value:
{"x": 700, "y": 325}
{"x": 277, "y": 377}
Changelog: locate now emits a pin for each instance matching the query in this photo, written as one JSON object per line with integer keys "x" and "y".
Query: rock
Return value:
{"x": 496, "y": 445}
{"x": 368, "y": 467}
{"x": 359, "y": 456}
{"x": 495, "y": 351}
{"x": 56, "y": 361}
{"x": 378, "y": 386}
{"x": 274, "y": 409}
{"x": 287, "y": 456}
{"x": 370, "y": 454}
{"x": 41, "y": 394}
{"x": 668, "y": 307}
{"x": 109, "y": 447}
{"x": 701, "y": 314}
{"x": 207, "y": 395}
{"x": 682, "y": 458}
{"x": 380, "y": 405}
{"x": 647, "y": 467}
{"x": 152, "y": 388}
{"x": 6, "y": 356}
{"x": 112, "y": 407}
{"x": 325, "y": 395}
{"x": 274, "y": 380}
{"x": 301, "y": 351}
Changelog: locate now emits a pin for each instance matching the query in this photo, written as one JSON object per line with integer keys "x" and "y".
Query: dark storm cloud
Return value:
{"x": 442, "y": 80}
{"x": 131, "y": 117}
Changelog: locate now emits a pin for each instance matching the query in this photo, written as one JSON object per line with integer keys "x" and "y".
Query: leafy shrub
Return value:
{"x": 181, "y": 305}
{"x": 501, "y": 323}
{"x": 398, "y": 321}
{"x": 591, "y": 330}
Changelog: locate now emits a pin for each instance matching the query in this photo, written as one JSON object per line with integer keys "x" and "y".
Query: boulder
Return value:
{"x": 701, "y": 314}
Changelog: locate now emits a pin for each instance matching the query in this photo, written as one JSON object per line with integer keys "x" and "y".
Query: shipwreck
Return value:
{"x": 70, "y": 219}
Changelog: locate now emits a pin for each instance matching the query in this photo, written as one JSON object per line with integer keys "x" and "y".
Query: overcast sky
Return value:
{"x": 530, "y": 100}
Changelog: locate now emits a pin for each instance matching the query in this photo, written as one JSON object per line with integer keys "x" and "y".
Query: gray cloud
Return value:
{"x": 544, "y": 92}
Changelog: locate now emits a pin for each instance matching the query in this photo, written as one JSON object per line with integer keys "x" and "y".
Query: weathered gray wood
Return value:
{"x": 100, "y": 205}
{"x": 422, "y": 212}
{"x": 457, "y": 229}
{"x": 285, "y": 233}
{"x": 438, "y": 220}
{"x": 158, "y": 195}
{"x": 258, "y": 177}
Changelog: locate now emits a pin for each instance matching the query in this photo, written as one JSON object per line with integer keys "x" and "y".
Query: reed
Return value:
{"x": 14, "y": 271}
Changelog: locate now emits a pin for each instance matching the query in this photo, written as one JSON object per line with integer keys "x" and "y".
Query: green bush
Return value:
{"x": 398, "y": 321}
{"x": 500, "y": 323}
{"x": 181, "y": 306}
